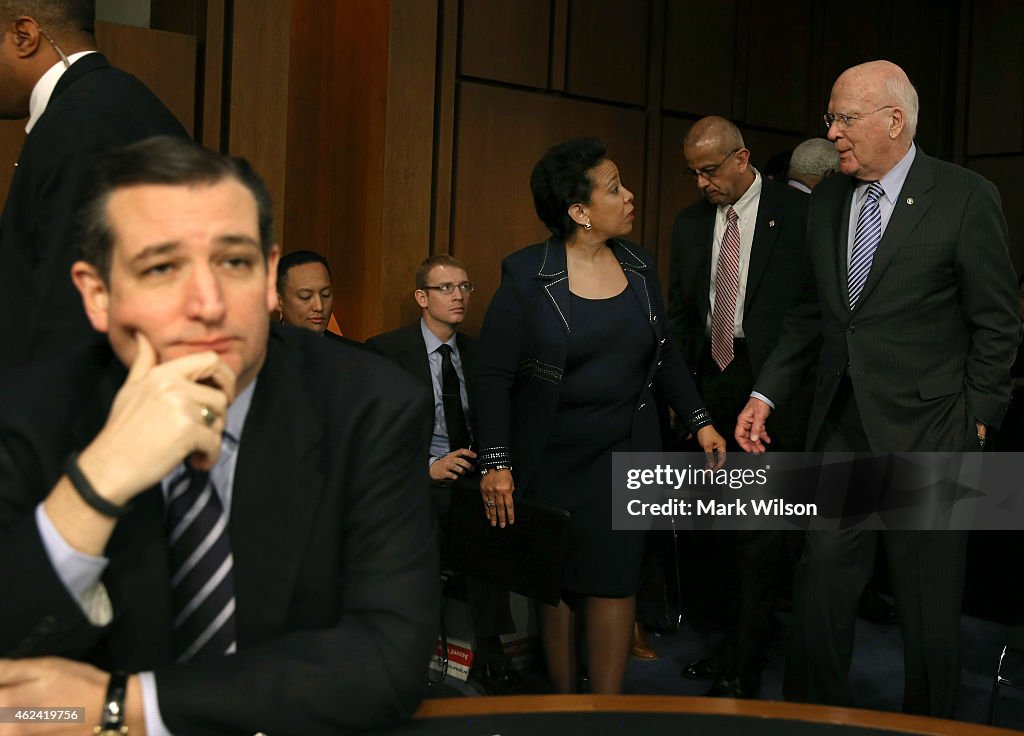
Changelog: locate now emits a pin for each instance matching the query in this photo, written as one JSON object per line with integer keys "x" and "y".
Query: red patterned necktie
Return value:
{"x": 727, "y": 282}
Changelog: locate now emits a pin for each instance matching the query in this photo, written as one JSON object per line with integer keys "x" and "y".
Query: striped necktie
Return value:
{"x": 727, "y": 282}
{"x": 869, "y": 233}
{"x": 202, "y": 584}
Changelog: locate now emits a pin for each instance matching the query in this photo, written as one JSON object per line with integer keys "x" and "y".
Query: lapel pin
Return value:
{"x": 771, "y": 223}
{"x": 910, "y": 200}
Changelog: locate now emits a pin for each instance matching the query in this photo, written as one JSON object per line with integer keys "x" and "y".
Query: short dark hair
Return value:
{"x": 297, "y": 258}
{"x": 429, "y": 264}
{"x": 159, "y": 160}
{"x": 64, "y": 16}
{"x": 559, "y": 180}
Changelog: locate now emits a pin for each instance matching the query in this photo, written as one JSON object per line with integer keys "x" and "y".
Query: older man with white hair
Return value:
{"x": 917, "y": 312}
{"x": 812, "y": 161}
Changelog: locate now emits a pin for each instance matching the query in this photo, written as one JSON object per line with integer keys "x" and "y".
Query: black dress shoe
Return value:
{"x": 709, "y": 668}
{"x": 499, "y": 677}
{"x": 876, "y": 609}
{"x": 732, "y": 686}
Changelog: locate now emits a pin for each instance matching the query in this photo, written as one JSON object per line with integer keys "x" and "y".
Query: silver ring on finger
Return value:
{"x": 490, "y": 503}
{"x": 208, "y": 415}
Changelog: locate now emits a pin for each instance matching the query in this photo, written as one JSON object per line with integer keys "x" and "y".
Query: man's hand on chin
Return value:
{"x": 56, "y": 683}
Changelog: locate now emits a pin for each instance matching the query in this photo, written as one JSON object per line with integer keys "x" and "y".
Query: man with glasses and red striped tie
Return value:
{"x": 918, "y": 316}
{"x": 209, "y": 525}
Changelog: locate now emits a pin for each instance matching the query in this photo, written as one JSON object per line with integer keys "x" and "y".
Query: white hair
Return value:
{"x": 814, "y": 156}
{"x": 903, "y": 94}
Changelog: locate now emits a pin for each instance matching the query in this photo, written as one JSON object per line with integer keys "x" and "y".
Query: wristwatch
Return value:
{"x": 485, "y": 471}
{"x": 112, "y": 722}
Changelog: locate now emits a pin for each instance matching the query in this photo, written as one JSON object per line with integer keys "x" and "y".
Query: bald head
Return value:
{"x": 718, "y": 160}
{"x": 714, "y": 132}
{"x": 883, "y": 80}
{"x": 876, "y": 118}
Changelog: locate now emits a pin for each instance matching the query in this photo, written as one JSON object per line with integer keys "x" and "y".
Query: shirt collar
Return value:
{"x": 892, "y": 183}
{"x": 43, "y": 90}
{"x": 237, "y": 413}
{"x": 749, "y": 199}
{"x": 799, "y": 185}
{"x": 433, "y": 342}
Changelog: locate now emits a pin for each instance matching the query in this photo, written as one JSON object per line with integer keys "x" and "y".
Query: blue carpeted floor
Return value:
{"x": 876, "y": 675}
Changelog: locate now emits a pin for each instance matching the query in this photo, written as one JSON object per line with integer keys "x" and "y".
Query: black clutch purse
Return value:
{"x": 526, "y": 557}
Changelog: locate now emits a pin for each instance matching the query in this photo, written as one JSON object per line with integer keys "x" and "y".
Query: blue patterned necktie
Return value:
{"x": 202, "y": 584}
{"x": 869, "y": 233}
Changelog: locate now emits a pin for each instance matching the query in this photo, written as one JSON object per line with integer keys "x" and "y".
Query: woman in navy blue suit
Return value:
{"x": 573, "y": 349}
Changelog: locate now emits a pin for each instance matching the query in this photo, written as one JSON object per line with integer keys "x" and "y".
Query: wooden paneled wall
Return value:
{"x": 388, "y": 130}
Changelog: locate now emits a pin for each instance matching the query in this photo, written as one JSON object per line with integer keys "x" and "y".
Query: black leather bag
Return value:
{"x": 526, "y": 557}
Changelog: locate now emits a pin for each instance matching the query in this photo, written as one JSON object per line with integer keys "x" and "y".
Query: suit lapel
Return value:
{"x": 553, "y": 271}
{"x": 277, "y": 486}
{"x": 414, "y": 355}
{"x": 634, "y": 268}
{"x": 912, "y": 202}
{"x": 837, "y": 220}
{"x": 766, "y": 232}
{"x": 705, "y": 236}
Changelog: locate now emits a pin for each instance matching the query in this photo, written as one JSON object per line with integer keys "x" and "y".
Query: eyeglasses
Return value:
{"x": 710, "y": 172}
{"x": 848, "y": 120}
{"x": 465, "y": 287}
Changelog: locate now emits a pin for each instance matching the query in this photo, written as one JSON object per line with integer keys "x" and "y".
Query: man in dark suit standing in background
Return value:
{"x": 225, "y": 525}
{"x": 737, "y": 265}
{"x": 441, "y": 358}
{"x": 77, "y": 106}
{"x": 919, "y": 327}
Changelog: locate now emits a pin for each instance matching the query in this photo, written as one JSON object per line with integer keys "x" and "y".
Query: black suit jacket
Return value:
{"x": 778, "y": 276}
{"x": 522, "y": 354}
{"x": 94, "y": 107}
{"x": 929, "y": 345}
{"x": 405, "y": 346}
{"x": 335, "y": 556}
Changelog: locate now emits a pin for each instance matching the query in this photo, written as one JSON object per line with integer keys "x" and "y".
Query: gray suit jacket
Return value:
{"x": 931, "y": 340}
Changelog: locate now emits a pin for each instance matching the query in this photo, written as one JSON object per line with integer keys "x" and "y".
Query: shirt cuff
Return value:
{"x": 80, "y": 573}
{"x": 155, "y": 725}
{"x": 763, "y": 398}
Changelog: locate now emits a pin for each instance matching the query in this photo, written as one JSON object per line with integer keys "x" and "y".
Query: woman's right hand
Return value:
{"x": 713, "y": 445}
{"x": 496, "y": 488}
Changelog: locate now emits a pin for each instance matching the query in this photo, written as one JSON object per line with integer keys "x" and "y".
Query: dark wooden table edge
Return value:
{"x": 521, "y": 704}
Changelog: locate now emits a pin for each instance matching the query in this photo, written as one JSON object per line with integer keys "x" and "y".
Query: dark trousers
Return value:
{"x": 754, "y": 556}
{"x": 927, "y": 573}
{"x": 725, "y": 393}
{"x": 488, "y": 604}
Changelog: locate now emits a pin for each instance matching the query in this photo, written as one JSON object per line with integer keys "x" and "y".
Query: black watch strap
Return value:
{"x": 112, "y": 721}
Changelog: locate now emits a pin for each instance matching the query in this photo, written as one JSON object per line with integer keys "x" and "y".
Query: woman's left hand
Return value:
{"x": 713, "y": 445}
{"x": 497, "y": 488}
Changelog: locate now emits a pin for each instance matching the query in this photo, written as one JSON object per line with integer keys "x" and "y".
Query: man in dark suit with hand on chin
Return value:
{"x": 226, "y": 517}
{"x": 919, "y": 328}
